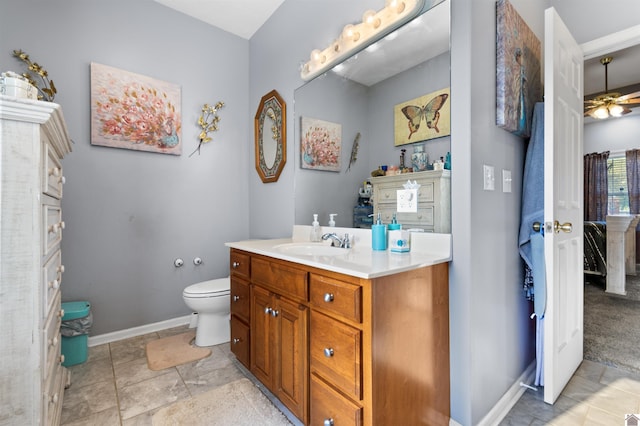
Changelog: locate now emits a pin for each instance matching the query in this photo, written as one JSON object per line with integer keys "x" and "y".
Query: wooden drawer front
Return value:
{"x": 240, "y": 340}
{"x": 336, "y": 353}
{"x": 52, "y": 227}
{"x": 51, "y": 281}
{"x": 329, "y": 407}
{"x": 389, "y": 194}
{"x": 52, "y": 173}
{"x": 239, "y": 264}
{"x": 53, "y": 392}
{"x": 282, "y": 279}
{"x": 51, "y": 338}
{"x": 339, "y": 297}
{"x": 240, "y": 301}
{"x": 424, "y": 216}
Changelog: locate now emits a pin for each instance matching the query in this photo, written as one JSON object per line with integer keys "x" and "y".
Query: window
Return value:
{"x": 618, "y": 194}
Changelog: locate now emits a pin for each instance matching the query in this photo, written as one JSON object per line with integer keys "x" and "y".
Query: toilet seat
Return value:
{"x": 212, "y": 288}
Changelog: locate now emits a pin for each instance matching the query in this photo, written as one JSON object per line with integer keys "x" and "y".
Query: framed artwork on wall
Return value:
{"x": 423, "y": 118}
{"x": 518, "y": 73}
{"x": 320, "y": 144}
{"x": 133, "y": 111}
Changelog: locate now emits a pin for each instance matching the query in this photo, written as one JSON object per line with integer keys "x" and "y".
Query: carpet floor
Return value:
{"x": 238, "y": 403}
{"x": 612, "y": 325}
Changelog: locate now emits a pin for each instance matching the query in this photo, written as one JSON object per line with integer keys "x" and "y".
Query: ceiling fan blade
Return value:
{"x": 629, "y": 101}
{"x": 590, "y": 111}
{"x": 629, "y": 96}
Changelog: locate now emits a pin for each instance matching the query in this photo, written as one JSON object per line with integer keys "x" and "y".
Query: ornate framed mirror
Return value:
{"x": 271, "y": 137}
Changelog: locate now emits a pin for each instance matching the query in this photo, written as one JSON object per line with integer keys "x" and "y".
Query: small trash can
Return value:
{"x": 76, "y": 325}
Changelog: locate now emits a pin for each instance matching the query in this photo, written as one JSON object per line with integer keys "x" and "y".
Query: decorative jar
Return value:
{"x": 419, "y": 158}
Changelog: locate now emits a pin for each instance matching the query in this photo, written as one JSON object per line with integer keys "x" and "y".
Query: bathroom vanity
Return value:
{"x": 353, "y": 338}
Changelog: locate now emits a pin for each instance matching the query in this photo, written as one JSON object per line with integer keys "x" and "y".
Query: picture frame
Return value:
{"x": 270, "y": 126}
{"x": 133, "y": 111}
{"x": 422, "y": 118}
{"x": 320, "y": 144}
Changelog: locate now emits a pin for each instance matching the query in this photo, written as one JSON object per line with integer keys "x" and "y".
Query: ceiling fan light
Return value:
{"x": 600, "y": 113}
{"x": 616, "y": 110}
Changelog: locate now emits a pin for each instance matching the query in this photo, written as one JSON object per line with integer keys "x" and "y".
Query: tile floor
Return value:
{"x": 115, "y": 387}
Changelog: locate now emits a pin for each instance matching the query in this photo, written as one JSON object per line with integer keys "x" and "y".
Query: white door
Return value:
{"x": 563, "y": 323}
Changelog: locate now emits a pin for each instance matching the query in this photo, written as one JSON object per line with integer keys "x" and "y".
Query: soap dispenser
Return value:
{"x": 394, "y": 225}
{"x": 379, "y": 235}
{"x": 316, "y": 234}
{"x": 332, "y": 221}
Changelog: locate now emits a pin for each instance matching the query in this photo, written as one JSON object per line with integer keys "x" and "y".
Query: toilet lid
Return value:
{"x": 217, "y": 287}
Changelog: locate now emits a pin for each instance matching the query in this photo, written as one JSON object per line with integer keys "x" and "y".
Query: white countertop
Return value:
{"x": 360, "y": 261}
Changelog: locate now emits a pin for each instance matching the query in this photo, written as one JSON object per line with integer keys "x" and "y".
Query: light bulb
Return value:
{"x": 397, "y": 5}
{"x": 601, "y": 113}
{"x": 369, "y": 18}
{"x": 350, "y": 33}
{"x": 616, "y": 110}
{"x": 317, "y": 56}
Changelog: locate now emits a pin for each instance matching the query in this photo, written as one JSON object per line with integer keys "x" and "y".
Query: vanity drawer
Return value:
{"x": 336, "y": 353}
{"x": 387, "y": 193}
{"x": 280, "y": 278}
{"x": 52, "y": 226}
{"x": 51, "y": 281}
{"x": 239, "y": 264}
{"x": 338, "y": 297}
{"x": 52, "y": 172}
{"x": 51, "y": 338}
{"x": 327, "y": 405}
{"x": 240, "y": 340}
{"x": 424, "y": 216}
{"x": 240, "y": 301}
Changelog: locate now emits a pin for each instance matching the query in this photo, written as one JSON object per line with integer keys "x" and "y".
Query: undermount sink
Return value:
{"x": 310, "y": 249}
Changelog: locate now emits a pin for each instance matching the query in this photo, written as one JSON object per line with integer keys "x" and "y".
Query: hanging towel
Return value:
{"x": 539, "y": 379}
{"x": 538, "y": 270}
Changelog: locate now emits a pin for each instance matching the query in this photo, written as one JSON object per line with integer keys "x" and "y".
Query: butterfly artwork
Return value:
{"x": 423, "y": 118}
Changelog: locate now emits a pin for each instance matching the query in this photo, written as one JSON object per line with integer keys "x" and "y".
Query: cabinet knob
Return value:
{"x": 61, "y": 359}
{"x": 267, "y": 310}
{"x": 61, "y": 269}
{"x": 61, "y": 313}
{"x": 236, "y": 340}
{"x": 54, "y": 171}
{"x": 236, "y": 298}
{"x": 274, "y": 313}
{"x": 328, "y": 352}
{"x": 235, "y": 265}
{"x": 62, "y": 180}
{"x": 54, "y": 398}
{"x": 328, "y": 422}
{"x": 328, "y": 297}
{"x": 54, "y": 284}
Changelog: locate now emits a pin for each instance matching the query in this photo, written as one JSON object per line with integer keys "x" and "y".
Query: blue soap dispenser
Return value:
{"x": 379, "y": 235}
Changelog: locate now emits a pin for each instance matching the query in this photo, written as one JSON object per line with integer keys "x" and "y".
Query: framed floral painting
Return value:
{"x": 320, "y": 144}
{"x": 133, "y": 111}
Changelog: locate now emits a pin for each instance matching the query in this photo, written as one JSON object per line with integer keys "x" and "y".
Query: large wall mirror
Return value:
{"x": 270, "y": 137}
{"x": 360, "y": 95}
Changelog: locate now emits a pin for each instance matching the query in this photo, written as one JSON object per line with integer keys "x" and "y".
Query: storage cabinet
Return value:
{"x": 33, "y": 141}
{"x": 434, "y": 200}
{"x": 240, "y": 307}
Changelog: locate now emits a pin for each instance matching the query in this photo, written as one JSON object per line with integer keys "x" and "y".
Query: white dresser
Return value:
{"x": 33, "y": 140}
{"x": 434, "y": 200}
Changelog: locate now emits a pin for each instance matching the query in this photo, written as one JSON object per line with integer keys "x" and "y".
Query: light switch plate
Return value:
{"x": 489, "y": 178}
{"x": 506, "y": 180}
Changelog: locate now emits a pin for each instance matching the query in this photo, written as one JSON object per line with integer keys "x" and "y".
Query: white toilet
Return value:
{"x": 210, "y": 299}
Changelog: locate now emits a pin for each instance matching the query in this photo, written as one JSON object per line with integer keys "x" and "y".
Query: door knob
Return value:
{"x": 565, "y": 227}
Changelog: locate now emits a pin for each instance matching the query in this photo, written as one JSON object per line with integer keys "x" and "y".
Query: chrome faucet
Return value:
{"x": 336, "y": 241}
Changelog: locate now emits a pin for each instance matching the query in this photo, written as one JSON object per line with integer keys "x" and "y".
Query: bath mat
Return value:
{"x": 174, "y": 350}
{"x": 238, "y": 403}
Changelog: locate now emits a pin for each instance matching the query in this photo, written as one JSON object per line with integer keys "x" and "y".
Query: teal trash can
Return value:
{"x": 76, "y": 325}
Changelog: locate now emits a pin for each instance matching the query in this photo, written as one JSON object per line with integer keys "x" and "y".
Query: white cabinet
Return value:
{"x": 33, "y": 141}
{"x": 434, "y": 200}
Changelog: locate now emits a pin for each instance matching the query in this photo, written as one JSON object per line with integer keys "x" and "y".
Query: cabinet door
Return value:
{"x": 261, "y": 335}
{"x": 240, "y": 340}
{"x": 291, "y": 330}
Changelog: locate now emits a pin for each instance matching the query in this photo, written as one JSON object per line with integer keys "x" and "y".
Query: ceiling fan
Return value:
{"x": 610, "y": 103}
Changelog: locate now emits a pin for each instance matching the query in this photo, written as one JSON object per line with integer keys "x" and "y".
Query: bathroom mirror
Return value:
{"x": 270, "y": 137}
{"x": 360, "y": 95}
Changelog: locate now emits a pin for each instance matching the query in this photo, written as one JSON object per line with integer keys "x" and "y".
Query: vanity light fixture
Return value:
{"x": 354, "y": 37}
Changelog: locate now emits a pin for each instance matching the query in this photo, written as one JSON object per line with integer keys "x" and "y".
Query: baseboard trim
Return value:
{"x": 510, "y": 398}
{"x": 101, "y": 339}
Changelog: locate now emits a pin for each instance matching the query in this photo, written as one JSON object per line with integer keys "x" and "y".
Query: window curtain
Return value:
{"x": 633, "y": 179}
{"x": 596, "y": 186}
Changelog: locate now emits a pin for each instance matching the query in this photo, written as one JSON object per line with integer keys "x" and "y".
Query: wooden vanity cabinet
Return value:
{"x": 279, "y": 332}
{"x": 240, "y": 306}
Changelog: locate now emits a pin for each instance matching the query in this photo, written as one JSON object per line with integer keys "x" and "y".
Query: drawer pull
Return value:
{"x": 328, "y": 297}
{"x": 267, "y": 310}
{"x": 236, "y": 340}
{"x": 55, "y": 284}
{"x": 236, "y": 298}
{"x": 328, "y": 352}
{"x": 60, "y": 313}
{"x": 274, "y": 313}
{"x": 235, "y": 265}
{"x": 54, "y": 171}
{"x": 53, "y": 342}
{"x": 60, "y": 269}
{"x": 328, "y": 422}
{"x": 54, "y": 398}
{"x": 62, "y": 180}
{"x": 61, "y": 359}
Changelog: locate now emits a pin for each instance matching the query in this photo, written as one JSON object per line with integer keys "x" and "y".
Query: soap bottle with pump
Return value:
{"x": 379, "y": 235}
{"x": 394, "y": 225}
{"x": 316, "y": 234}
{"x": 332, "y": 221}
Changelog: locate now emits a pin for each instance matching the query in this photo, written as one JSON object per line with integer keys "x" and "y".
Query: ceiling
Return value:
{"x": 229, "y": 15}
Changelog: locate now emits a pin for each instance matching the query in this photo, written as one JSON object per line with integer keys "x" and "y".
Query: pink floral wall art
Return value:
{"x": 133, "y": 111}
{"x": 320, "y": 144}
